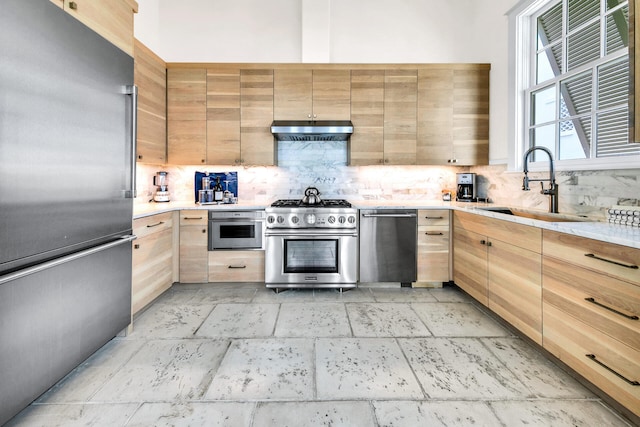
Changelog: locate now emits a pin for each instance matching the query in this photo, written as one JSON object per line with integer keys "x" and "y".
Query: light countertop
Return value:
{"x": 604, "y": 231}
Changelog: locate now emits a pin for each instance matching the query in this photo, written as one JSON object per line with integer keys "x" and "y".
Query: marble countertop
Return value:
{"x": 604, "y": 231}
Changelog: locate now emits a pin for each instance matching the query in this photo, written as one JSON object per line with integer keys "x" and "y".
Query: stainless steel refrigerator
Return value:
{"x": 67, "y": 178}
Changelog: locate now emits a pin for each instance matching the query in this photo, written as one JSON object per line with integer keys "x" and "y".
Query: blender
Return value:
{"x": 162, "y": 188}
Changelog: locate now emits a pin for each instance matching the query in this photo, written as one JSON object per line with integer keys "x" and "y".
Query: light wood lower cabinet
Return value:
{"x": 152, "y": 259}
{"x": 433, "y": 246}
{"x": 193, "y": 246}
{"x": 591, "y": 308}
{"x": 499, "y": 263}
{"x": 236, "y": 266}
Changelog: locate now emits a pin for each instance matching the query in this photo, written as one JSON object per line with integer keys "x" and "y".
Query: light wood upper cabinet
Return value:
{"x": 186, "y": 115}
{"x": 453, "y": 116}
{"x": 400, "y": 108}
{"x": 435, "y": 116}
{"x": 367, "y": 115}
{"x": 305, "y": 94}
{"x": 256, "y": 115}
{"x": 471, "y": 117}
{"x": 113, "y": 20}
{"x": 150, "y": 76}
{"x": 223, "y": 116}
{"x": 432, "y": 114}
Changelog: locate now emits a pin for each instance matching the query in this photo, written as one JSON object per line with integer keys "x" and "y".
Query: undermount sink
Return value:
{"x": 539, "y": 215}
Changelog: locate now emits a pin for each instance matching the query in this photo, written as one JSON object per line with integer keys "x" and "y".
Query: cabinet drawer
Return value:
{"x": 433, "y": 217}
{"x": 152, "y": 224}
{"x": 194, "y": 217}
{"x": 236, "y": 266}
{"x": 433, "y": 239}
{"x": 572, "y": 341}
{"x": 604, "y": 303}
{"x": 607, "y": 258}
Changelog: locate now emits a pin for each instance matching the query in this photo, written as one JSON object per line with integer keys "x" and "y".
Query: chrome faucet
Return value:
{"x": 553, "y": 187}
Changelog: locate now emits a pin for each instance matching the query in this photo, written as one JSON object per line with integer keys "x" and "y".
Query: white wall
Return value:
{"x": 354, "y": 31}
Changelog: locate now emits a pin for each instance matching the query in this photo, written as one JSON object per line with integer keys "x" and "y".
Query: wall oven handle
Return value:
{"x": 389, "y": 215}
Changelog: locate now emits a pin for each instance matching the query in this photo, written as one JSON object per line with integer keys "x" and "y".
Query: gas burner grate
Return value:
{"x": 295, "y": 203}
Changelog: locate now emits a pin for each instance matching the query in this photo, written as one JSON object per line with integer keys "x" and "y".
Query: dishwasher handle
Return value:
{"x": 389, "y": 215}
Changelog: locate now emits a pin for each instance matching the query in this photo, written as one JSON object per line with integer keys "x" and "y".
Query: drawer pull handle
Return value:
{"x": 192, "y": 217}
{"x": 483, "y": 242}
{"x": 433, "y": 217}
{"x": 593, "y": 301}
{"x": 634, "y": 267}
{"x": 237, "y": 266}
{"x": 627, "y": 380}
{"x": 155, "y": 225}
{"x": 434, "y": 234}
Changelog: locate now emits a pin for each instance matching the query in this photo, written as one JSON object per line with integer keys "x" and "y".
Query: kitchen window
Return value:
{"x": 571, "y": 82}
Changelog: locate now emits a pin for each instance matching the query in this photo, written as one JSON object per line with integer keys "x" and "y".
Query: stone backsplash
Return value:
{"x": 587, "y": 193}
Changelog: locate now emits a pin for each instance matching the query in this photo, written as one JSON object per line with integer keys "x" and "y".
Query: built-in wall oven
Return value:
{"x": 236, "y": 230}
{"x": 311, "y": 246}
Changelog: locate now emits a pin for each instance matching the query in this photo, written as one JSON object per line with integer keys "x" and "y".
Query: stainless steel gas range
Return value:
{"x": 311, "y": 245}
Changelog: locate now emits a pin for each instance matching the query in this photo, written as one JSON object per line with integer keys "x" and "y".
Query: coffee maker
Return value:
{"x": 162, "y": 187}
{"x": 466, "y": 189}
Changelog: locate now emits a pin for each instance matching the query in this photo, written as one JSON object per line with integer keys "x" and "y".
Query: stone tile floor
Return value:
{"x": 242, "y": 355}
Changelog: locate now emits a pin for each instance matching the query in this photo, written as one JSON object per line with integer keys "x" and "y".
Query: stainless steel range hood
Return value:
{"x": 312, "y": 130}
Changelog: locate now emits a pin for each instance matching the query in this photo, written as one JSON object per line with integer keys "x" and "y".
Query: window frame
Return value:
{"x": 521, "y": 68}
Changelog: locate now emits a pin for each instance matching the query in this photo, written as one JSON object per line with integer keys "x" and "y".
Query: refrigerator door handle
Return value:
{"x": 132, "y": 90}
{"x": 65, "y": 259}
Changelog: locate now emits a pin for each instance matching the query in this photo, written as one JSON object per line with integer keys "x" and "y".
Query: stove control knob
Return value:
{"x": 342, "y": 220}
{"x": 331, "y": 219}
{"x": 280, "y": 219}
{"x": 310, "y": 219}
{"x": 295, "y": 219}
{"x": 271, "y": 219}
{"x": 352, "y": 219}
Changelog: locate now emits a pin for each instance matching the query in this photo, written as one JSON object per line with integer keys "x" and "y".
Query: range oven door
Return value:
{"x": 235, "y": 234}
{"x": 318, "y": 258}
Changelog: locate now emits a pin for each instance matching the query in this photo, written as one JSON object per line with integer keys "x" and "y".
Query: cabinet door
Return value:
{"x": 434, "y": 144}
{"x": 256, "y": 115}
{"x": 152, "y": 262}
{"x": 193, "y": 246}
{"x": 292, "y": 94}
{"x": 470, "y": 263}
{"x": 367, "y": 115}
{"x": 471, "y": 117}
{"x": 515, "y": 287}
{"x": 152, "y": 259}
{"x": 150, "y": 76}
{"x": 187, "y": 115}
{"x": 113, "y": 22}
{"x": 223, "y": 116}
{"x": 331, "y": 94}
{"x": 400, "y": 109}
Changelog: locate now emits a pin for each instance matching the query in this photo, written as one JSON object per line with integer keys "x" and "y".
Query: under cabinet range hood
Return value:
{"x": 312, "y": 130}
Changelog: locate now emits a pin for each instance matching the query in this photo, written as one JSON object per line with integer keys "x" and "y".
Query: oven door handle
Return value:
{"x": 297, "y": 233}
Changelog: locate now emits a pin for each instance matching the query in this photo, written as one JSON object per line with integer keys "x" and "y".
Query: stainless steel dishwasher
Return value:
{"x": 388, "y": 245}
